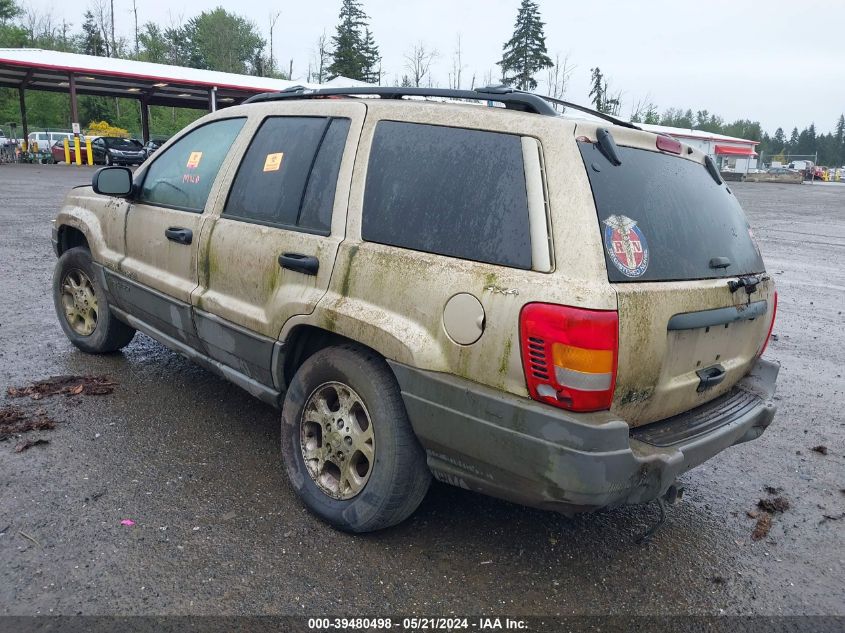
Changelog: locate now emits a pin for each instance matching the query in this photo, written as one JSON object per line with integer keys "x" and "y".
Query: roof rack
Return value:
{"x": 511, "y": 98}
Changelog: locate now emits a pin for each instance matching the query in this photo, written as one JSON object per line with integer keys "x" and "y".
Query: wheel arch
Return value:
{"x": 71, "y": 237}
{"x": 303, "y": 341}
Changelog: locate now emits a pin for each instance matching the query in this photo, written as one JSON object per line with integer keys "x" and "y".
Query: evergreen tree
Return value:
{"x": 355, "y": 53}
{"x": 597, "y": 88}
{"x": 793, "y": 141}
{"x": 372, "y": 59}
{"x": 524, "y": 55}
{"x": 91, "y": 41}
{"x": 600, "y": 94}
{"x": 778, "y": 140}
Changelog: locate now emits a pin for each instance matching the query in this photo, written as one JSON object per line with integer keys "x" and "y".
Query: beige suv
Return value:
{"x": 558, "y": 312}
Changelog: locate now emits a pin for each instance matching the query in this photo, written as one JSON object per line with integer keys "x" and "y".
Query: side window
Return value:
{"x": 182, "y": 176}
{"x": 448, "y": 191}
{"x": 289, "y": 173}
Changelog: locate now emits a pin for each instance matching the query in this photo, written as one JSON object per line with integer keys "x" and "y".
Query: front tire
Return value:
{"x": 82, "y": 306}
{"x": 348, "y": 446}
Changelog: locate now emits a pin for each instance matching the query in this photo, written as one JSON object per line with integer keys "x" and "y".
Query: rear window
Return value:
{"x": 120, "y": 143}
{"x": 664, "y": 218}
{"x": 448, "y": 191}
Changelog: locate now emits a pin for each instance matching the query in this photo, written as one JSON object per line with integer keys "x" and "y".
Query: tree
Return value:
{"x": 101, "y": 17}
{"x": 644, "y": 111}
{"x": 322, "y": 59}
{"x": 600, "y": 94}
{"x": 524, "y": 55}
{"x": 597, "y": 88}
{"x": 418, "y": 63}
{"x": 274, "y": 17}
{"x": 219, "y": 40}
{"x": 793, "y": 140}
{"x": 8, "y": 10}
{"x": 90, "y": 40}
{"x": 355, "y": 54}
{"x": 557, "y": 78}
{"x": 778, "y": 141}
{"x": 11, "y": 35}
{"x": 372, "y": 59}
{"x": 457, "y": 66}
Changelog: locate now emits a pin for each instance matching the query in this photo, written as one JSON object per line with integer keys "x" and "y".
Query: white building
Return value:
{"x": 729, "y": 152}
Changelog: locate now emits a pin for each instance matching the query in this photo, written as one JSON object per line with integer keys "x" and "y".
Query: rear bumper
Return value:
{"x": 514, "y": 448}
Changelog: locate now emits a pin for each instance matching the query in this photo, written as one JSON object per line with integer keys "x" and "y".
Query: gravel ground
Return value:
{"x": 194, "y": 462}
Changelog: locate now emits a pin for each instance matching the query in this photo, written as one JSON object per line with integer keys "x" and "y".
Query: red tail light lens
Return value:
{"x": 569, "y": 355}
{"x": 668, "y": 144}
{"x": 771, "y": 325}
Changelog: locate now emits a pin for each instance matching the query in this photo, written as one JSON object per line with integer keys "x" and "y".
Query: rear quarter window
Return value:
{"x": 448, "y": 191}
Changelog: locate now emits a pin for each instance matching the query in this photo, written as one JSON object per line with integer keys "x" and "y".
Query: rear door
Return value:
{"x": 270, "y": 254}
{"x": 674, "y": 238}
{"x": 163, "y": 226}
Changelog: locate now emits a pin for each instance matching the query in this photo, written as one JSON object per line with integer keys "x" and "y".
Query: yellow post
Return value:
{"x": 67, "y": 151}
{"x": 88, "y": 153}
{"x": 77, "y": 150}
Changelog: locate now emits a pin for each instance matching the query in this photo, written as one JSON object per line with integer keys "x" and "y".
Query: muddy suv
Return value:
{"x": 563, "y": 313}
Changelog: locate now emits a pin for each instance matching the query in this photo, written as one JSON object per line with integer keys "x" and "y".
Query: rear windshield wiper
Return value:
{"x": 607, "y": 146}
{"x": 749, "y": 282}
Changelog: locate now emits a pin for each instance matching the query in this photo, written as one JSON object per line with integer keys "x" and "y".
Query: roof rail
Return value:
{"x": 511, "y": 98}
{"x": 522, "y": 101}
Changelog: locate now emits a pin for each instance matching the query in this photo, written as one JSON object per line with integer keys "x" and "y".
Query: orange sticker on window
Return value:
{"x": 273, "y": 161}
{"x": 194, "y": 160}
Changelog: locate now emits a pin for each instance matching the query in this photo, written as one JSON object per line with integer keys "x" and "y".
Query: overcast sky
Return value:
{"x": 777, "y": 61}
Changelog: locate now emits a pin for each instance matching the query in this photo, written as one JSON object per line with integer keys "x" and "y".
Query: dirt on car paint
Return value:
{"x": 175, "y": 432}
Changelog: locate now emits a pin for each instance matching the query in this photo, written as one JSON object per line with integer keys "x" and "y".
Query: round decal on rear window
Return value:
{"x": 626, "y": 245}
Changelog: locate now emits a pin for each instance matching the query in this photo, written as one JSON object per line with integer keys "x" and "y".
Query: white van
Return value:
{"x": 46, "y": 140}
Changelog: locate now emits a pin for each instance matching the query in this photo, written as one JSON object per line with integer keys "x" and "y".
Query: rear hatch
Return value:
{"x": 675, "y": 238}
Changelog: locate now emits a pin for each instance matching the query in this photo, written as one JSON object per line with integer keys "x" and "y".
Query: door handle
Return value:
{"x": 179, "y": 235}
{"x": 305, "y": 264}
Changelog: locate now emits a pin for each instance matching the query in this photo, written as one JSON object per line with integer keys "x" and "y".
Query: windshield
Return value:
{"x": 664, "y": 218}
{"x": 120, "y": 144}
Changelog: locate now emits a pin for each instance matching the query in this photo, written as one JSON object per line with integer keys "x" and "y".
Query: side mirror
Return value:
{"x": 113, "y": 181}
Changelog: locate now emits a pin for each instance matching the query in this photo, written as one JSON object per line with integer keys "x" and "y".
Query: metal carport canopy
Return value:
{"x": 154, "y": 84}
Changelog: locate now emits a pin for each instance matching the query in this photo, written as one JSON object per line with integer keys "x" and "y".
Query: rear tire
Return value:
{"x": 82, "y": 306}
{"x": 373, "y": 492}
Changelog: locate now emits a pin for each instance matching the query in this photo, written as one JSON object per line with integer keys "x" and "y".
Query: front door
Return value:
{"x": 155, "y": 279}
{"x": 270, "y": 254}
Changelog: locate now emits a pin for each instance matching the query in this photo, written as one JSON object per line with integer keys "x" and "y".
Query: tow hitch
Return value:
{"x": 671, "y": 497}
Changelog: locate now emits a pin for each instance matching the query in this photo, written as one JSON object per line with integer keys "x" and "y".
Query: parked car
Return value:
{"x": 110, "y": 150}
{"x": 58, "y": 151}
{"x": 781, "y": 170}
{"x": 46, "y": 140}
{"x": 152, "y": 145}
{"x": 563, "y": 313}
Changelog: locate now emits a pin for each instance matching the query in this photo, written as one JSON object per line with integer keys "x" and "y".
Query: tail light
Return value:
{"x": 771, "y": 325}
{"x": 569, "y": 355}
